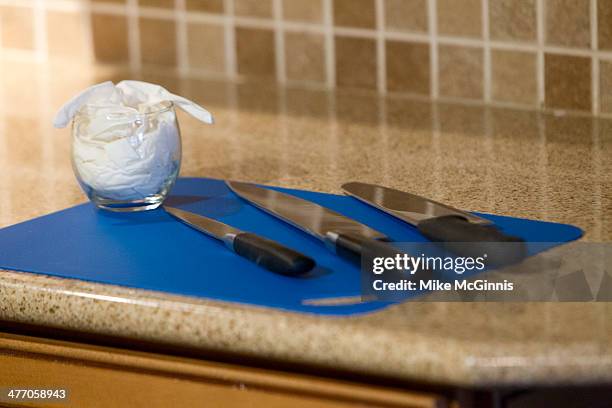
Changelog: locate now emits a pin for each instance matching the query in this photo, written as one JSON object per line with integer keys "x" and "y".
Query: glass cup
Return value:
{"x": 125, "y": 159}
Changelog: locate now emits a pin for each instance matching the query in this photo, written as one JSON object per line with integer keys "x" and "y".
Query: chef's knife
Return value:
{"x": 440, "y": 222}
{"x": 262, "y": 251}
{"x": 342, "y": 235}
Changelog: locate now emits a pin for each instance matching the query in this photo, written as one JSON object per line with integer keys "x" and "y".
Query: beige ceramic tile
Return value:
{"x": 109, "y": 1}
{"x": 206, "y": 47}
{"x": 305, "y": 56}
{"x": 300, "y": 10}
{"x": 110, "y": 37}
{"x": 568, "y": 82}
{"x": 605, "y": 86}
{"x": 604, "y": 25}
{"x": 255, "y": 52}
{"x": 17, "y": 27}
{"x": 158, "y": 41}
{"x": 354, "y": 13}
{"x": 460, "y": 71}
{"x": 460, "y": 18}
{"x": 406, "y": 15}
{"x": 66, "y": 35}
{"x": 513, "y": 76}
{"x": 408, "y": 67}
{"x": 512, "y": 20}
{"x": 567, "y": 23}
{"x": 253, "y": 8}
{"x": 157, "y": 3}
{"x": 355, "y": 62}
{"x": 206, "y": 6}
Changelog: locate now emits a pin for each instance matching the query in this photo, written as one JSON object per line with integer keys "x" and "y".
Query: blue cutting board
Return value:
{"x": 152, "y": 250}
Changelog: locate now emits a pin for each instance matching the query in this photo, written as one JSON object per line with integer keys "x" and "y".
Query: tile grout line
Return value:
{"x": 540, "y": 52}
{"x": 381, "y": 63}
{"x": 433, "y": 48}
{"x": 595, "y": 59}
{"x": 182, "y": 56}
{"x": 230, "y": 39}
{"x": 330, "y": 51}
{"x": 279, "y": 42}
{"x": 133, "y": 35}
{"x": 486, "y": 88}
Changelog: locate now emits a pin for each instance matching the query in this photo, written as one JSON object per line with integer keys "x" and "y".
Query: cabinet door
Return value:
{"x": 105, "y": 377}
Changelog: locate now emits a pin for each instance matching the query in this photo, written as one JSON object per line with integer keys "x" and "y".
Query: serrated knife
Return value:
{"x": 346, "y": 237}
{"x": 266, "y": 253}
{"x": 441, "y": 223}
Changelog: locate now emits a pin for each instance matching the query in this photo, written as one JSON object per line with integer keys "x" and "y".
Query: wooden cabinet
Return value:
{"x": 109, "y": 377}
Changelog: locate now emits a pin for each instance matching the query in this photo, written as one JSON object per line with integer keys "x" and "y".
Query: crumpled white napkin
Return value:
{"x": 132, "y": 94}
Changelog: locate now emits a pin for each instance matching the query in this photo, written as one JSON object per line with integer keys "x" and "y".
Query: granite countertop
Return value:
{"x": 513, "y": 162}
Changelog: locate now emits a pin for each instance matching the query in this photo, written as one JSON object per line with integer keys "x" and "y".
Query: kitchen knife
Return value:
{"x": 441, "y": 223}
{"x": 342, "y": 235}
{"x": 262, "y": 251}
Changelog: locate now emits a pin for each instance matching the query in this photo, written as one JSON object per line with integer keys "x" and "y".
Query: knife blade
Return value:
{"x": 266, "y": 253}
{"x": 405, "y": 206}
{"x": 440, "y": 222}
{"x": 346, "y": 237}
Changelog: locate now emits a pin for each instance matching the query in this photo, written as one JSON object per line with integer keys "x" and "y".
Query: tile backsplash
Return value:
{"x": 550, "y": 54}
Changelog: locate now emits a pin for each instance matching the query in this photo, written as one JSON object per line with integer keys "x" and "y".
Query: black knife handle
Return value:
{"x": 271, "y": 255}
{"x": 455, "y": 228}
{"x": 353, "y": 246}
{"x": 455, "y": 231}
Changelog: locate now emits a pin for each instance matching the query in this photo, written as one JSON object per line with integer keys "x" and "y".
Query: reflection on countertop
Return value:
{"x": 519, "y": 163}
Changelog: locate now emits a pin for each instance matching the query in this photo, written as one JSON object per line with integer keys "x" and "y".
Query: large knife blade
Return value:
{"x": 405, "y": 206}
{"x": 342, "y": 235}
{"x": 440, "y": 222}
{"x": 262, "y": 251}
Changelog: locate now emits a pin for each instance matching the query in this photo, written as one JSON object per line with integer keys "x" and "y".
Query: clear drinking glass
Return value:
{"x": 126, "y": 160}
